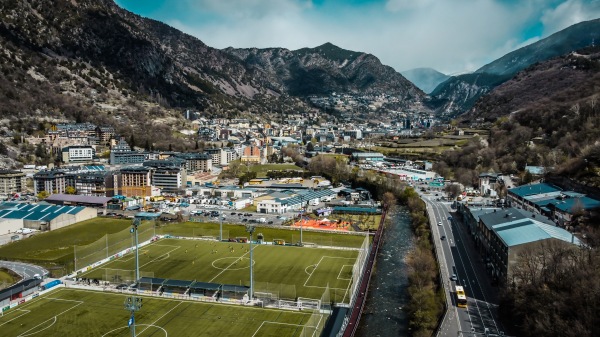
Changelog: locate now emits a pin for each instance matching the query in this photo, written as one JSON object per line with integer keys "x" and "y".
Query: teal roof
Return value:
{"x": 344, "y": 209}
{"x": 525, "y": 190}
{"x": 36, "y": 212}
{"x": 528, "y": 230}
{"x": 566, "y": 205}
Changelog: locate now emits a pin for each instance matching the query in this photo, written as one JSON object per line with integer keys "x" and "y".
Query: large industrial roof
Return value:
{"x": 567, "y": 205}
{"x": 526, "y": 190}
{"x": 36, "y": 212}
{"x": 78, "y": 198}
{"x": 305, "y": 197}
{"x": 515, "y": 227}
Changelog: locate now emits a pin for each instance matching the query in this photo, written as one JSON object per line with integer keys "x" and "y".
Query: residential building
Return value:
{"x": 93, "y": 183}
{"x": 488, "y": 183}
{"x": 104, "y": 134}
{"x": 169, "y": 179}
{"x": 51, "y": 181}
{"x": 136, "y": 181}
{"x": 195, "y": 162}
{"x": 11, "y": 182}
{"x": 77, "y": 154}
{"x": 126, "y": 157}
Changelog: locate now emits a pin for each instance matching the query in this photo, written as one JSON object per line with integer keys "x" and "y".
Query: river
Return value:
{"x": 384, "y": 315}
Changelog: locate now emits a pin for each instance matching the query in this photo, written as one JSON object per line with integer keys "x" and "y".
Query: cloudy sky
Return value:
{"x": 451, "y": 36}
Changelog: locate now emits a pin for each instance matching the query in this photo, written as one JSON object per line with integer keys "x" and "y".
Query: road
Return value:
{"x": 26, "y": 270}
{"x": 459, "y": 257}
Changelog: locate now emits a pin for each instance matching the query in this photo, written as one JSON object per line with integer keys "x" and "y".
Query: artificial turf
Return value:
{"x": 68, "y": 312}
{"x": 308, "y": 270}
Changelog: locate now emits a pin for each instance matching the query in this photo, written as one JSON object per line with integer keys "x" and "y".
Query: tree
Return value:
{"x": 43, "y": 195}
{"x": 70, "y": 190}
{"x": 389, "y": 200}
{"x": 310, "y": 147}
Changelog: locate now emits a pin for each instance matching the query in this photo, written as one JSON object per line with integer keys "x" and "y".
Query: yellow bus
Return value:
{"x": 461, "y": 297}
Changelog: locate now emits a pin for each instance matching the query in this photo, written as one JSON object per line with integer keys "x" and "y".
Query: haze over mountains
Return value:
{"x": 427, "y": 79}
{"x": 459, "y": 93}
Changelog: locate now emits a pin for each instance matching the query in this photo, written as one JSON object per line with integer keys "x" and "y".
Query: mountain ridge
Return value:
{"x": 459, "y": 93}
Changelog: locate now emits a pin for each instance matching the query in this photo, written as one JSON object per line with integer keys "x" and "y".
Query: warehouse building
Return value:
{"x": 41, "y": 216}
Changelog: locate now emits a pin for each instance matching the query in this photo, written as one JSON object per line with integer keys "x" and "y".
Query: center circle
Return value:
{"x": 232, "y": 263}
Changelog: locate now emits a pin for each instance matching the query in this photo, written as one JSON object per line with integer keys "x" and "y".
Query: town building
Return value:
{"x": 195, "y": 162}
{"x": 12, "y": 182}
{"x": 78, "y": 154}
{"x": 93, "y": 183}
{"x": 51, "y": 181}
{"x": 126, "y": 157}
{"x": 136, "y": 181}
{"x": 41, "y": 217}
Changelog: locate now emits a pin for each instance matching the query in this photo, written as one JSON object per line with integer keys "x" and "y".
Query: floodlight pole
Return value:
{"x": 134, "y": 230}
{"x": 221, "y": 226}
{"x": 250, "y": 229}
{"x": 132, "y": 304}
{"x": 301, "y": 217}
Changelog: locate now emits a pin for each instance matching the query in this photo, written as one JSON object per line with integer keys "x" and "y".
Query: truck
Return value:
{"x": 261, "y": 220}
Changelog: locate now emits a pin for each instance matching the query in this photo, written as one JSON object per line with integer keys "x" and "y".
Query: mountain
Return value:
{"x": 325, "y": 69}
{"x": 82, "y": 58}
{"x": 459, "y": 93}
{"x": 426, "y": 79}
{"x": 552, "y": 107}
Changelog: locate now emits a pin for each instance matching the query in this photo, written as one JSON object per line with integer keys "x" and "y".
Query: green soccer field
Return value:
{"x": 302, "y": 272}
{"x": 77, "y": 313}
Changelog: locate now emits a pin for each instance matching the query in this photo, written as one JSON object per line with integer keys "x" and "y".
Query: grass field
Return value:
{"x": 7, "y": 278}
{"x": 77, "y": 313}
{"x": 308, "y": 270}
{"x": 54, "y": 250}
{"x": 261, "y": 170}
{"x": 196, "y": 229}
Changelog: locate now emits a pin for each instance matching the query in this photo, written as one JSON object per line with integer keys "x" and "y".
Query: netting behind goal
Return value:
{"x": 123, "y": 275}
{"x": 111, "y": 244}
{"x": 209, "y": 233}
{"x": 358, "y": 268}
{"x": 314, "y": 326}
{"x": 270, "y": 292}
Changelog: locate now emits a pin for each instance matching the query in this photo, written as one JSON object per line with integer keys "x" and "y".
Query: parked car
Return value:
{"x": 443, "y": 237}
{"x": 453, "y": 277}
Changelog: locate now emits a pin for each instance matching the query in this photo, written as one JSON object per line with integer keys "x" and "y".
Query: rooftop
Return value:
{"x": 525, "y": 190}
{"x": 39, "y": 212}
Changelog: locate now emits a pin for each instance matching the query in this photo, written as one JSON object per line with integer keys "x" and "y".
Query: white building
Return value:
{"x": 81, "y": 153}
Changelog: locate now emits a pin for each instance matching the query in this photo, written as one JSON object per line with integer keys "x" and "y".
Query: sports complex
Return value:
{"x": 195, "y": 281}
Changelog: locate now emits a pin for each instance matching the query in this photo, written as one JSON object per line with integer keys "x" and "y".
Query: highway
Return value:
{"x": 26, "y": 270}
{"x": 458, "y": 256}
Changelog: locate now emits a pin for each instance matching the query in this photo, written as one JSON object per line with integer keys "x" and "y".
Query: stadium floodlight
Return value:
{"x": 250, "y": 229}
{"x": 132, "y": 304}
{"x": 134, "y": 230}
{"x": 221, "y": 227}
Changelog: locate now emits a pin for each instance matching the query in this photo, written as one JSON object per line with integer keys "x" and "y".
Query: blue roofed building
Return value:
{"x": 41, "y": 216}
{"x": 503, "y": 234}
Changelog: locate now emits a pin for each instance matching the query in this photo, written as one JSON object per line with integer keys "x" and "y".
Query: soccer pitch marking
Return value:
{"x": 237, "y": 259}
{"x": 161, "y": 257}
{"x": 146, "y": 325}
{"x": 53, "y": 319}
{"x": 298, "y": 326}
{"x": 158, "y": 319}
{"x": 317, "y": 267}
{"x": 10, "y": 312}
{"x": 342, "y": 269}
{"x": 314, "y": 266}
{"x": 232, "y": 263}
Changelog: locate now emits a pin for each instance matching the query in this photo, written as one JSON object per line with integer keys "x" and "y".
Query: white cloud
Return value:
{"x": 569, "y": 13}
{"x": 450, "y": 36}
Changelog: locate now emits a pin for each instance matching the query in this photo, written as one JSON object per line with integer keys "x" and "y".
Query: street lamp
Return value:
{"x": 250, "y": 229}
{"x": 132, "y": 304}
{"x": 134, "y": 230}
